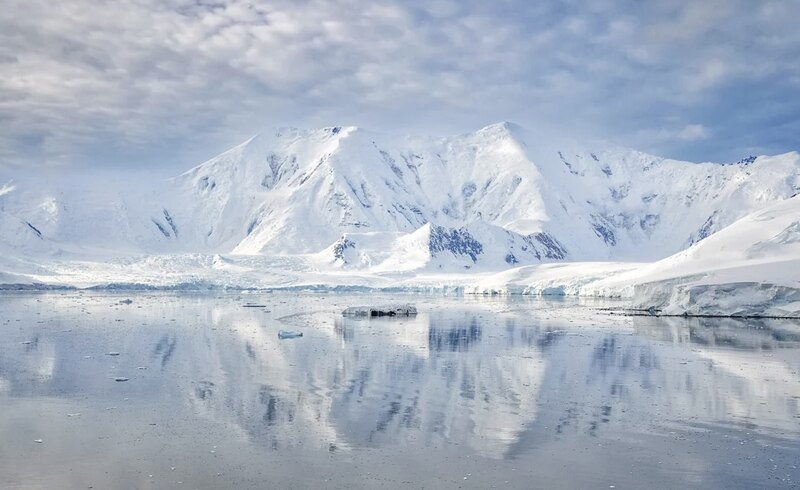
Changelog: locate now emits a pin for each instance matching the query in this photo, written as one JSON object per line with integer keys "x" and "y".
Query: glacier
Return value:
{"x": 502, "y": 210}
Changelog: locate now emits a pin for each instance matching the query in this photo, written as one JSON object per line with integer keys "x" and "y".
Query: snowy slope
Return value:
{"x": 477, "y": 246}
{"x": 289, "y": 191}
{"x": 292, "y": 191}
{"x": 502, "y": 209}
{"x": 749, "y": 268}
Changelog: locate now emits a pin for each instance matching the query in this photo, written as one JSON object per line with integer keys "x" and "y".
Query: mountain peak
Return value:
{"x": 291, "y": 191}
{"x": 278, "y": 132}
{"x": 502, "y": 127}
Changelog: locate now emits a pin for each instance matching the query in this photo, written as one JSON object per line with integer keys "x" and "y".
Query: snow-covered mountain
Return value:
{"x": 750, "y": 267}
{"x": 351, "y": 198}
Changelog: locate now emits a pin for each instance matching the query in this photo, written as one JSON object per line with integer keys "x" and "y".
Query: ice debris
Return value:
{"x": 388, "y": 310}
{"x": 289, "y": 334}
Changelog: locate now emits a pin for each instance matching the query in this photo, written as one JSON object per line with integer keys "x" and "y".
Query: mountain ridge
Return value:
{"x": 288, "y": 191}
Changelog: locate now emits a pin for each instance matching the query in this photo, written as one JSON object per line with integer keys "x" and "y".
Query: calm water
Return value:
{"x": 472, "y": 393}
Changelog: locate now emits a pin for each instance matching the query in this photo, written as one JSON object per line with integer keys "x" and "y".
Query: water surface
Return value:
{"x": 472, "y": 393}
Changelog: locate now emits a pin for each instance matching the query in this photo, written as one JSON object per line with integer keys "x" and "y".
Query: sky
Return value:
{"x": 171, "y": 83}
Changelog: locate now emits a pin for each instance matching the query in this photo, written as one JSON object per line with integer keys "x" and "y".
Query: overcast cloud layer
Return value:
{"x": 130, "y": 82}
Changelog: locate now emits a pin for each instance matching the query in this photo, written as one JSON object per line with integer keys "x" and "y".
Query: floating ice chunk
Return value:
{"x": 386, "y": 310}
{"x": 126, "y": 301}
{"x": 38, "y": 440}
{"x": 289, "y": 334}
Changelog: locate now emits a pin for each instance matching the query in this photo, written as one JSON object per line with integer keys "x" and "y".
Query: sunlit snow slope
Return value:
{"x": 750, "y": 267}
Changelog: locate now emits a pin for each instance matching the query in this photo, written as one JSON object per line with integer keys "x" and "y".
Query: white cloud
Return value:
{"x": 98, "y": 82}
{"x": 682, "y": 134}
{"x": 692, "y": 132}
{"x": 709, "y": 74}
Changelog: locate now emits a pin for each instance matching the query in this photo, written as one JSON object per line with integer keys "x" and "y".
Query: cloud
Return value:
{"x": 693, "y": 132}
{"x": 688, "y": 133}
{"x": 172, "y": 82}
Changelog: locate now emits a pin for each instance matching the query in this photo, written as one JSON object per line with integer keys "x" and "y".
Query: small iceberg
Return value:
{"x": 388, "y": 310}
{"x": 289, "y": 334}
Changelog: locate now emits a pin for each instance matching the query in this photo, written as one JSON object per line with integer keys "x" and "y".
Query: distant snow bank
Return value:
{"x": 712, "y": 293}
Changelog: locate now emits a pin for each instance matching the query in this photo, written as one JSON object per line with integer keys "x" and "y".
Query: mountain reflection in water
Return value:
{"x": 498, "y": 380}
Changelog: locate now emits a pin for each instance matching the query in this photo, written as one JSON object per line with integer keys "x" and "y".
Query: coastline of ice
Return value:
{"x": 712, "y": 293}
